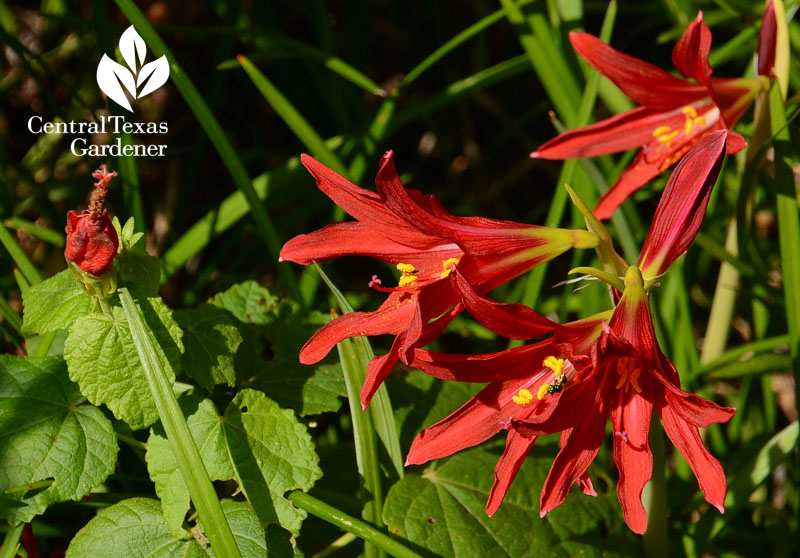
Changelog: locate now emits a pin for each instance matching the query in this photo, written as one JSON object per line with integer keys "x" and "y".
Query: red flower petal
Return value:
{"x": 767, "y": 40}
{"x": 630, "y": 421}
{"x": 574, "y": 458}
{"x": 628, "y": 130}
{"x": 644, "y": 83}
{"x": 511, "y": 363}
{"x": 709, "y": 473}
{"x": 517, "y": 448}
{"x": 356, "y": 238}
{"x": 514, "y": 321}
{"x": 683, "y": 204}
{"x": 636, "y": 175}
{"x": 476, "y": 421}
{"x": 690, "y": 54}
{"x": 394, "y": 316}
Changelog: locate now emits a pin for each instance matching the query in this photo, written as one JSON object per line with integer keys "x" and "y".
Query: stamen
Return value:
{"x": 689, "y": 111}
{"x": 554, "y": 364}
{"x": 628, "y": 376}
{"x": 448, "y": 266}
{"x": 667, "y": 138}
{"x": 408, "y": 276}
{"x": 524, "y": 397}
{"x": 542, "y": 391}
{"x": 406, "y": 279}
{"x": 661, "y": 130}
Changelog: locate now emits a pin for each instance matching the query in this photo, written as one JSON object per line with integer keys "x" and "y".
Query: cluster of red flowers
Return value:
{"x": 605, "y": 365}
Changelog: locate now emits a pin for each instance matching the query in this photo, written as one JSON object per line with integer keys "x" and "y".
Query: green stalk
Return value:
{"x": 719, "y": 320}
{"x": 186, "y": 454}
{"x": 788, "y": 226}
{"x": 654, "y": 496}
{"x": 364, "y": 438}
{"x": 11, "y": 541}
{"x": 350, "y": 524}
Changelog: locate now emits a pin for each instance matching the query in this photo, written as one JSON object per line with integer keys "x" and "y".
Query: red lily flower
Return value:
{"x": 590, "y": 370}
{"x": 673, "y": 116}
{"x": 416, "y": 234}
{"x": 683, "y": 205}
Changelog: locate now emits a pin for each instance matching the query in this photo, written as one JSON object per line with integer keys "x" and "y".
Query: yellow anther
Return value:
{"x": 542, "y": 391}
{"x": 667, "y": 138}
{"x": 700, "y": 121}
{"x": 634, "y": 380}
{"x": 524, "y": 397}
{"x": 661, "y": 130}
{"x": 406, "y": 279}
{"x": 689, "y": 111}
{"x": 688, "y": 128}
{"x": 447, "y": 266}
{"x": 405, "y": 268}
{"x": 628, "y": 375}
{"x": 554, "y": 364}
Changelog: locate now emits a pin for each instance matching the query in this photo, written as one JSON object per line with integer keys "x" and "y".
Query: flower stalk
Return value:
{"x": 180, "y": 437}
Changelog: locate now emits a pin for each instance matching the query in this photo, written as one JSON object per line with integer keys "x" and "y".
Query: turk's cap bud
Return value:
{"x": 92, "y": 240}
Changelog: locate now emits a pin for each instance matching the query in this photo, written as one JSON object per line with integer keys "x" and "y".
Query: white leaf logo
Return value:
{"x": 138, "y": 76}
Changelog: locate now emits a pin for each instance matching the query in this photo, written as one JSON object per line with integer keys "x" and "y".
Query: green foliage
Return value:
{"x": 102, "y": 360}
{"x": 211, "y": 339}
{"x": 264, "y": 321}
{"x": 256, "y": 443}
{"x": 49, "y": 438}
{"x": 443, "y": 510}
{"x": 135, "y": 528}
{"x": 54, "y": 304}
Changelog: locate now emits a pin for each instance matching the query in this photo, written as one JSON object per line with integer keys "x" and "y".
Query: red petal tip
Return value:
{"x": 699, "y": 16}
{"x": 534, "y": 155}
{"x": 542, "y": 514}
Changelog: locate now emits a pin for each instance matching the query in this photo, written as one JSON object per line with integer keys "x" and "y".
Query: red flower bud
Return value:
{"x": 92, "y": 241}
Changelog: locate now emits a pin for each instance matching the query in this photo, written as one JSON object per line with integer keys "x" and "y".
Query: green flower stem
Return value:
{"x": 336, "y": 545}
{"x": 719, "y": 321}
{"x": 788, "y": 226}
{"x": 350, "y": 524}
{"x": 11, "y": 541}
{"x": 654, "y": 496}
{"x": 186, "y": 454}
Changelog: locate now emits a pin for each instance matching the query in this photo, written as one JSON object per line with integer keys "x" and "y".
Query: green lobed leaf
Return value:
{"x": 102, "y": 359}
{"x": 443, "y": 510}
{"x": 263, "y": 318}
{"x": 54, "y": 304}
{"x": 47, "y": 433}
{"x": 263, "y": 447}
{"x": 139, "y": 271}
{"x": 135, "y": 528}
{"x": 211, "y": 340}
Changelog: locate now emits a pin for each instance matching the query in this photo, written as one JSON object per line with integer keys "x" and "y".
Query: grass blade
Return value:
{"x": 380, "y": 407}
{"x": 214, "y": 131}
{"x": 299, "y": 125}
{"x": 186, "y": 453}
